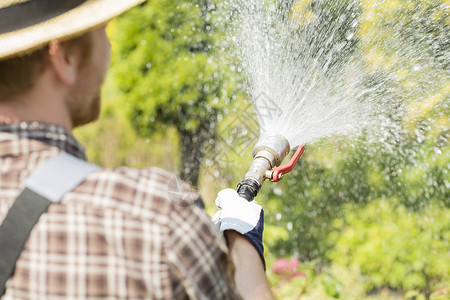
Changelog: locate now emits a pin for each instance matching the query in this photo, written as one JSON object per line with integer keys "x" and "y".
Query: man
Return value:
{"x": 115, "y": 234}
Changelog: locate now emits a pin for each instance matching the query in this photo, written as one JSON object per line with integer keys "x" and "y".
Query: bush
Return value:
{"x": 394, "y": 247}
{"x": 291, "y": 279}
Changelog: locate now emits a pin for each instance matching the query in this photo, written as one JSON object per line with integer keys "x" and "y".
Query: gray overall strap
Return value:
{"x": 48, "y": 184}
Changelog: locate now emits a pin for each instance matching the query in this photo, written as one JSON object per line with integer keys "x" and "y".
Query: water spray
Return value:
{"x": 268, "y": 154}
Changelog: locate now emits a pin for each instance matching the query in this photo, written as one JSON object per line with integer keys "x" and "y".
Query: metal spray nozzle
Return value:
{"x": 268, "y": 153}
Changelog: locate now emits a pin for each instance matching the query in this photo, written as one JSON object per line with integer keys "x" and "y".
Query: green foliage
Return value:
{"x": 335, "y": 173}
{"x": 168, "y": 72}
{"x": 313, "y": 195}
{"x": 329, "y": 283}
{"x": 393, "y": 246}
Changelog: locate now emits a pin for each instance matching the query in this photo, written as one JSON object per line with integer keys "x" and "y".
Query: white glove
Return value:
{"x": 238, "y": 214}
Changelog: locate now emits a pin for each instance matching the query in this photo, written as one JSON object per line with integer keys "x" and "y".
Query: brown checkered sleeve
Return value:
{"x": 198, "y": 257}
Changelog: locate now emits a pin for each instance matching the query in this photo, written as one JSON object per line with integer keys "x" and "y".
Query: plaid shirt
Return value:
{"x": 122, "y": 234}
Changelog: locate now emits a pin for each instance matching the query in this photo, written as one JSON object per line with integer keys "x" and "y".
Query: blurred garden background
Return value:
{"x": 360, "y": 217}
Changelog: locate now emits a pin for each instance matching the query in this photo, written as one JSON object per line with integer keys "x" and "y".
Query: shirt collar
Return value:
{"x": 14, "y": 137}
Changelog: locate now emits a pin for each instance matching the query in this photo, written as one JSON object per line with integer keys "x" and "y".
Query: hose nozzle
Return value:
{"x": 268, "y": 153}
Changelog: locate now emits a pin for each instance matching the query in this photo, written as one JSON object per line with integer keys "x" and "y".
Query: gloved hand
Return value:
{"x": 245, "y": 217}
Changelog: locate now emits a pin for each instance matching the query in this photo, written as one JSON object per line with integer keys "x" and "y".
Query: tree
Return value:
{"x": 170, "y": 73}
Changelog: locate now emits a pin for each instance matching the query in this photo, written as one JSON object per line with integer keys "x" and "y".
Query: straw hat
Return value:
{"x": 28, "y": 24}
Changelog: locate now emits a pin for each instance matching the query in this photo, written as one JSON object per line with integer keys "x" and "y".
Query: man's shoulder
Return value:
{"x": 140, "y": 192}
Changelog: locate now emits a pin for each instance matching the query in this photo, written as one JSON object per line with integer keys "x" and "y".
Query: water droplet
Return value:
{"x": 289, "y": 226}
{"x": 349, "y": 35}
{"x": 277, "y": 191}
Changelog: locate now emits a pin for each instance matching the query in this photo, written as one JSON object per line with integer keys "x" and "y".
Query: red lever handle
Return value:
{"x": 278, "y": 172}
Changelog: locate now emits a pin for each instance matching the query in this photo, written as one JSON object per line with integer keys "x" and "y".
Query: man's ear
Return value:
{"x": 64, "y": 63}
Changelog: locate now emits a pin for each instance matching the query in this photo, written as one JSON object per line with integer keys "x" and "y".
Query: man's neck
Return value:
{"x": 43, "y": 103}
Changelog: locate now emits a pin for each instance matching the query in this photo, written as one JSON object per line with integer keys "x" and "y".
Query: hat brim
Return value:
{"x": 78, "y": 20}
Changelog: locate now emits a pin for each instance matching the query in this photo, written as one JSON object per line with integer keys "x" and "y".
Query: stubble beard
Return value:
{"x": 86, "y": 100}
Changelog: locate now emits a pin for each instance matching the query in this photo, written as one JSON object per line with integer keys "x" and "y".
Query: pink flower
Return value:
{"x": 285, "y": 266}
